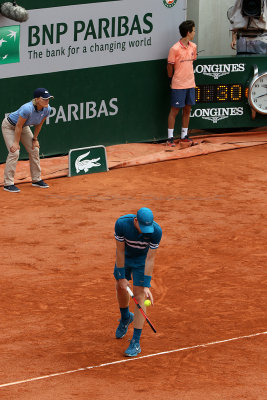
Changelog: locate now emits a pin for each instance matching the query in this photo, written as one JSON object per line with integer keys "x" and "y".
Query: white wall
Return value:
{"x": 212, "y": 26}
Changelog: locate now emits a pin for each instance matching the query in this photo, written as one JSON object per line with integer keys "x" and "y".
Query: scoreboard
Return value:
{"x": 222, "y": 92}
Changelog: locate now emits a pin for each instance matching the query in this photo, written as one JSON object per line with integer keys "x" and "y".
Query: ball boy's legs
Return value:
{"x": 178, "y": 98}
{"x": 171, "y": 122}
{"x": 182, "y": 98}
{"x": 172, "y": 117}
{"x": 185, "y": 121}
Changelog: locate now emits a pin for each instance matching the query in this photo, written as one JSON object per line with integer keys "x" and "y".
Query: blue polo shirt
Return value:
{"x": 136, "y": 244}
{"x": 30, "y": 113}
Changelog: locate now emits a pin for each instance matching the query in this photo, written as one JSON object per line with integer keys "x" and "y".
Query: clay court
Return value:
{"x": 58, "y": 304}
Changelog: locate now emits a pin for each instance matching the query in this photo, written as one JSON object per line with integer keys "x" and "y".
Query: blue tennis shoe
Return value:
{"x": 134, "y": 349}
{"x": 123, "y": 326}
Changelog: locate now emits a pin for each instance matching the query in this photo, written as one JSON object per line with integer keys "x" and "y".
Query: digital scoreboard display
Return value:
{"x": 220, "y": 93}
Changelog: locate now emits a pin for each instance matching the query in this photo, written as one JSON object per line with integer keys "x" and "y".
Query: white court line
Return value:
{"x": 130, "y": 359}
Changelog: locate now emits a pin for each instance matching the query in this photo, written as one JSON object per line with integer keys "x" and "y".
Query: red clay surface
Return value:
{"x": 57, "y": 299}
{"x": 132, "y": 154}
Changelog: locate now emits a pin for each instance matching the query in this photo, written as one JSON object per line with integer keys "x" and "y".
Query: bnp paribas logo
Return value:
{"x": 169, "y": 3}
{"x": 9, "y": 44}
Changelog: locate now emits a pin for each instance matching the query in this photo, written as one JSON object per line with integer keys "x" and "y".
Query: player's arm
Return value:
{"x": 149, "y": 266}
{"x": 120, "y": 264}
{"x": 120, "y": 254}
{"x": 18, "y": 130}
{"x": 150, "y": 259}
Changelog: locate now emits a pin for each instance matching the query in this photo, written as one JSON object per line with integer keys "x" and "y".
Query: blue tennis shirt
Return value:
{"x": 136, "y": 244}
{"x": 30, "y": 113}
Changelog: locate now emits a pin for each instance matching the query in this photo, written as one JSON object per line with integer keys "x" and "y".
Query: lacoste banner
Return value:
{"x": 87, "y": 160}
{"x": 89, "y": 35}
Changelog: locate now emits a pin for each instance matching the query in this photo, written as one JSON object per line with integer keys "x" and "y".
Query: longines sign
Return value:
{"x": 218, "y": 70}
{"x": 217, "y": 114}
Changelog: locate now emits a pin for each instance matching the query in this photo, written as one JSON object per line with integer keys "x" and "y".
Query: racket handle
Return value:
{"x": 141, "y": 310}
{"x": 129, "y": 291}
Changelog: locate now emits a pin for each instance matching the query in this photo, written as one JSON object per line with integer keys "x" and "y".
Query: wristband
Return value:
{"x": 119, "y": 273}
{"x": 147, "y": 280}
{"x": 34, "y": 138}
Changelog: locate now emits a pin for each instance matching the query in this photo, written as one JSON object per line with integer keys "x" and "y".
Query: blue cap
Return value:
{"x": 41, "y": 92}
{"x": 145, "y": 220}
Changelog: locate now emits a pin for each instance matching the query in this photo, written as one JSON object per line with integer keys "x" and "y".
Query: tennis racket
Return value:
{"x": 141, "y": 310}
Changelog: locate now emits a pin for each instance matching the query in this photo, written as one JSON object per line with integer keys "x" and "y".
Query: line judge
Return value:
{"x": 16, "y": 129}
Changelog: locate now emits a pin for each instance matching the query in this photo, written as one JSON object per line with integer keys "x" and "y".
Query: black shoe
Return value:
{"x": 170, "y": 143}
{"x": 188, "y": 140}
{"x": 12, "y": 188}
{"x": 41, "y": 184}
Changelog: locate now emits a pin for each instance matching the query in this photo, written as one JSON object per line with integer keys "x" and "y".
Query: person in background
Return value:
{"x": 180, "y": 71}
{"x": 16, "y": 129}
{"x": 249, "y": 27}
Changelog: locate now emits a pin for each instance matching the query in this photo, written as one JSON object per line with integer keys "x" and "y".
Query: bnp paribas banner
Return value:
{"x": 89, "y": 35}
{"x": 103, "y": 61}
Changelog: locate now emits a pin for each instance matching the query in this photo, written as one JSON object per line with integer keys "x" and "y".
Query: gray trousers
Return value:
{"x": 8, "y": 131}
{"x": 248, "y": 46}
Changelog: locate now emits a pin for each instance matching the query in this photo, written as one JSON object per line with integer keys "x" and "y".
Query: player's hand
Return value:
{"x": 148, "y": 295}
{"x": 15, "y": 146}
{"x": 123, "y": 283}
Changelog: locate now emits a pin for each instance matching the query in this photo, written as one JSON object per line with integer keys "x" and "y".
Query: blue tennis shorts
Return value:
{"x": 182, "y": 97}
{"x": 136, "y": 273}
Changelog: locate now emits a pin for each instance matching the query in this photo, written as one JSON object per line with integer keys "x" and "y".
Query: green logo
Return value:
{"x": 87, "y": 160}
{"x": 169, "y": 3}
{"x": 9, "y": 44}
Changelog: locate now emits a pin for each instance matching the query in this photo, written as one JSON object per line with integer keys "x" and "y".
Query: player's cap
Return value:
{"x": 145, "y": 219}
{"x": 43, "y": 93}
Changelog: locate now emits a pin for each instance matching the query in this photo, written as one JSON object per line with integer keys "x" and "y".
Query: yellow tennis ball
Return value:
{"x": 147, "y": 303}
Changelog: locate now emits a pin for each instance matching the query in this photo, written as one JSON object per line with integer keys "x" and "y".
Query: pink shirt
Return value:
{"x": 182, "y": 58}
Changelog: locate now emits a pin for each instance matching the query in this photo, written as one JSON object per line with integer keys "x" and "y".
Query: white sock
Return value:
{"x": 184, "y": 132}
{"x": 170, "y": 133}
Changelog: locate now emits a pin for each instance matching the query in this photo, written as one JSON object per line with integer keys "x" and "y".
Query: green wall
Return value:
{"x": 142, "y": 94}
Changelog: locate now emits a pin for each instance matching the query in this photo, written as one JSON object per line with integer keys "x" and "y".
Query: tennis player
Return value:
{"x": 137, "y": 239}
{"x": 180, "y": 71}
